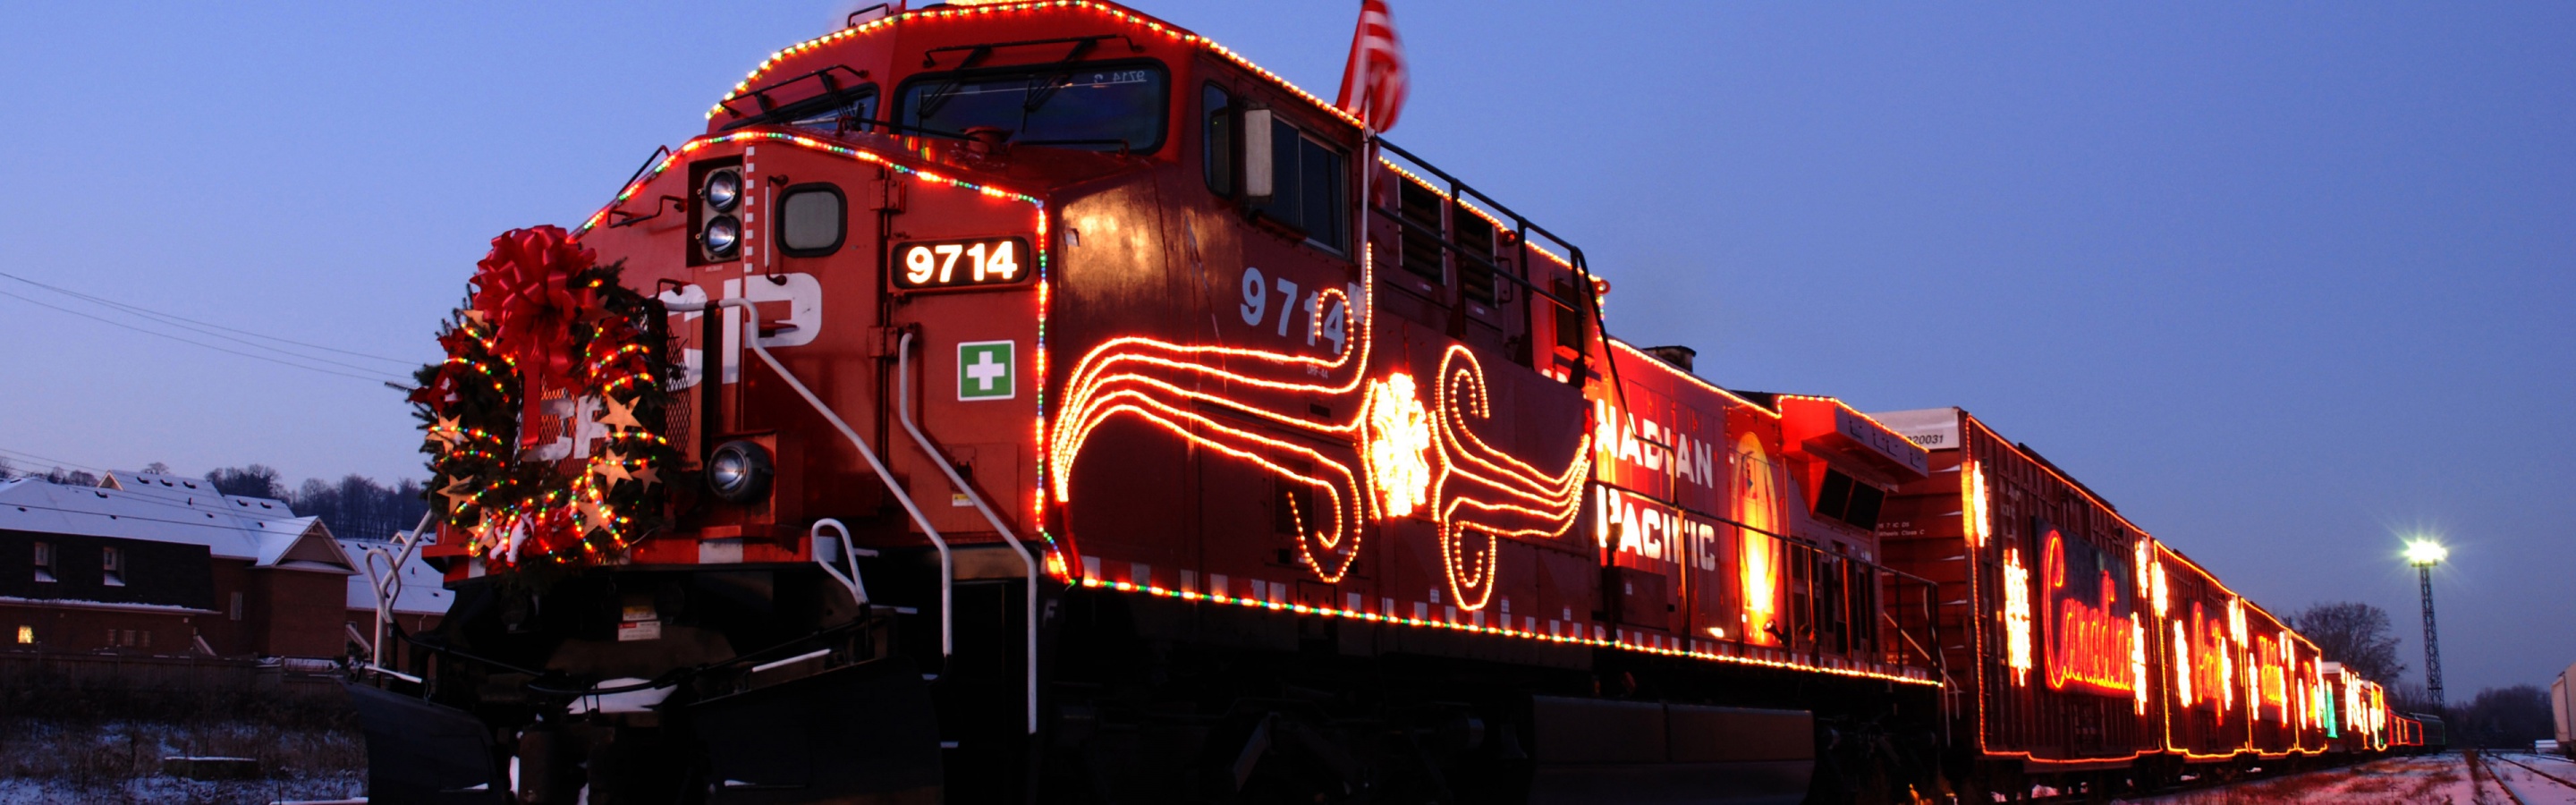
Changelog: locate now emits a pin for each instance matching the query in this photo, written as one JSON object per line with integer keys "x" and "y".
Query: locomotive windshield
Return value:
{"x": 1064, "y": 106}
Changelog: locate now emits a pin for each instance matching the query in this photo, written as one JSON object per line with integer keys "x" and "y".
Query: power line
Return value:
{"x": 175, "y": 319}
{"x": 251, "y": 344}
{"x": 55, "y": 461}
{"x": 280, "y": 362}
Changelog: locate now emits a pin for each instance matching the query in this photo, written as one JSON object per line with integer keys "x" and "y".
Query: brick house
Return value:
{"x": 165, "y": 565}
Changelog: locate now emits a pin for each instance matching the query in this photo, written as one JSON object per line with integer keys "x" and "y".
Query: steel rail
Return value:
{"x": 2536, "y": 770}
{"x": 2477, "y": 765}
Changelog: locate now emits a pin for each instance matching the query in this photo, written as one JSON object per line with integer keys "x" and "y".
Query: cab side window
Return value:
{"x": 1216, "y": 138}
{"x": 1309, "y": 178}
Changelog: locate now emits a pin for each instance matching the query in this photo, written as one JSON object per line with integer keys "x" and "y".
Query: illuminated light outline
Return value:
{"x": 1398, "y": 445}
{"x": 1978, "y": 523}
{"x": 2182, "y": 671}
{"x": 2016, "y": 617}
{"x": 1104, "y": 375}
{"x": 2084, "y": 641}
{"x": 1763, "y": 562}
{"x": 1629, "y": 644}
{"x": 1553, "y": 501}
{"x": 2138, "y": 662}
{"x": 1156, "y": 26}
{"x": 1085, "y": 409}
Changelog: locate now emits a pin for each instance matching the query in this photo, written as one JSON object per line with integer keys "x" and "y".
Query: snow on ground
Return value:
{"x": 2533, "y": 784}
{"x": 2392, "y": 781}
{"x": 45, "y": 761}
{"x": 156, "y": 790}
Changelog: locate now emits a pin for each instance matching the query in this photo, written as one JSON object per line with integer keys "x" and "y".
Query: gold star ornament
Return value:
{"x": 620, "y": 415}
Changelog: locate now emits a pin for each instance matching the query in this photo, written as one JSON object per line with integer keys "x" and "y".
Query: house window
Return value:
{"x": 26, "y": 635}
{"x": 237, "y": 605}
{"x": 44, "y": 561}
{"x": 111, "y": 563}
{"x": 1307, "y": 180}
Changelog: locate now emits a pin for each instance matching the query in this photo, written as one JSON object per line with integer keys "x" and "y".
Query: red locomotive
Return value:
{"x": 1039, "y": 401}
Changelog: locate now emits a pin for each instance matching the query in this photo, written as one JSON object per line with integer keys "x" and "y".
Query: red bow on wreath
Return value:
{"x": 526, "y": 286}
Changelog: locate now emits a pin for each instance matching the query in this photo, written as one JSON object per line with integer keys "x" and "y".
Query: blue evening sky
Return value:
{"x": 2283, "y": 280}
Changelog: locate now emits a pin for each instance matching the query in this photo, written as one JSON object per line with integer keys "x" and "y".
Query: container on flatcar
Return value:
{"x": 2562, "y": 710}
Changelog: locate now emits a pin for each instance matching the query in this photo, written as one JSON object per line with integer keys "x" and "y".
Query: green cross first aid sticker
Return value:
{"x": 986, "y": 370}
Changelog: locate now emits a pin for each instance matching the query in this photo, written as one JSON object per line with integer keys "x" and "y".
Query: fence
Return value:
{"x": 33, "y": 677}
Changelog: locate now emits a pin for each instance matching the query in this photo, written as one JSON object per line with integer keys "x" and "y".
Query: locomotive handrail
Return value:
{"x": 1793, "y": 540}
{"x": 1931, "y": 624}
{"x": 947, "y": 567}
{"x": 1574, "y": 254}
{"x": 852, "y": 21}
{"x": 849, "y": 553}
{"x": 1522, "y": 229}
{"x": 1454, "y": 249}
{"x": 903, "y": 412}
{"x": 976, "y": 54}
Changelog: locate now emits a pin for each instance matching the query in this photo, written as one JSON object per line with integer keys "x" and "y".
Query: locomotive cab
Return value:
{"x": 857, "y": 260}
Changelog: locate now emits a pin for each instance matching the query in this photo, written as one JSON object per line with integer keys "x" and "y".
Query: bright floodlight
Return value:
{"x": 2425, "y": 552}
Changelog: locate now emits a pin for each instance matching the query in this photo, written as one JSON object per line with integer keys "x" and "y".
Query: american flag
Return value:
{"x": 1373, "y": 81}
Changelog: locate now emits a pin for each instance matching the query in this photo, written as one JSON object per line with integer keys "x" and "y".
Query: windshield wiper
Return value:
{"x": 1039, "y": 94}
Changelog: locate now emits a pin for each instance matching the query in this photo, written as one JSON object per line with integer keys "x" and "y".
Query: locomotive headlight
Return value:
{"x": 722, "y": 235}
{"x": 723, "y": 190}
{"x": 738, "y": 471}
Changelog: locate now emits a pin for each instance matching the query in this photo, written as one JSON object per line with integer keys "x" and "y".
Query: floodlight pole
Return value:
{"x": 2432, "y": 641}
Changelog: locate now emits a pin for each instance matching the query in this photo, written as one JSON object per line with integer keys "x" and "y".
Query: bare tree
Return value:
{"x": 251, "y": 480}
{"x": 2502, "y": 718}
{"x": 2355, "y": 634}
{"x": 157, "y": 468}
{"x": 72, "y": 477}
{"x": 358, "y": 507}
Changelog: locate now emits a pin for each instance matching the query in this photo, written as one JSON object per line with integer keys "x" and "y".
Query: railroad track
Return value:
{"x": 2508, "y": 790}
{"x": 2479, "y": 773}
{"x": 2205, "y": 781}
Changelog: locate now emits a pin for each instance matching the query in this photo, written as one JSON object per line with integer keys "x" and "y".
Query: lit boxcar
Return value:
{"x": 2236, "y": 683}
{"x": 2043, "y": 596}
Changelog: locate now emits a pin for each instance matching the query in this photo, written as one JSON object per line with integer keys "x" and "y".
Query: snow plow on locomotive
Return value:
{"x": 1037, "y": 401}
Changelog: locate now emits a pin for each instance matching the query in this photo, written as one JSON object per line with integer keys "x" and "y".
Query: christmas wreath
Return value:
{"x": 543, "y": 423}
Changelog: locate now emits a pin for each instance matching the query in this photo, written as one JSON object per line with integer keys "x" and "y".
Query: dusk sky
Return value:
{"x": 2284, "y": 282}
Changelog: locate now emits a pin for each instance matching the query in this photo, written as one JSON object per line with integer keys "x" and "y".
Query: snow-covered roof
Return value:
{"x": 160, "y": 508}
{"x": 423, "y": 587}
